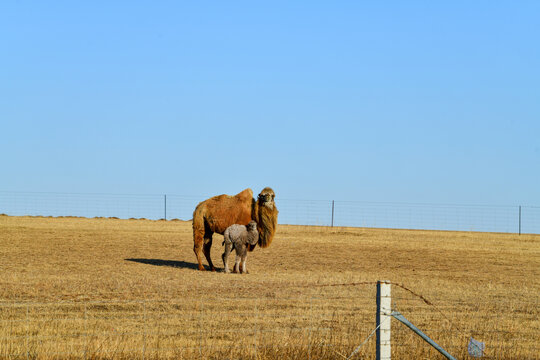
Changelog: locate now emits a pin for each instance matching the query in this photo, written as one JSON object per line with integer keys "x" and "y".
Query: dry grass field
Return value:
{"x": 73, "y": 288}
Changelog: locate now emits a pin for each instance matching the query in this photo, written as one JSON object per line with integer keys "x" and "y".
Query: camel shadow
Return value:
{"x": 171, "y": 263}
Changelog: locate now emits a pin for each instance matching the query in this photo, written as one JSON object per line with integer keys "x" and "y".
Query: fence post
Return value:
{"x": 384, "y": 310}
{"x": 165, "y": 198}
{"x": 519, "y": 219}
{"x": 332, "y": 213}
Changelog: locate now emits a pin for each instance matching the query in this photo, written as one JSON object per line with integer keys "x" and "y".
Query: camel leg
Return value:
{"x": 206, "y": 249}
{"x": 237, "y": 264}
{"x": 242, "y": 253}
{"x": 198, "y": 247}
{"x": 225, "y": 256}
{"x": 244, "y": 268}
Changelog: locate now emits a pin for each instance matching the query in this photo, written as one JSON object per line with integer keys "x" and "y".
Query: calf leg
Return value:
{"x": 237, "y": 264}
{"x": 244, "y": 268}
{"x": 225, "y": 256}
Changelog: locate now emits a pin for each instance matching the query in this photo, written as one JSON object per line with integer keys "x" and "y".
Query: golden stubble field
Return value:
{"x": 122, "y": 289}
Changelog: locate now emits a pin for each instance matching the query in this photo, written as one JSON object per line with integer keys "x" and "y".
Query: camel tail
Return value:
{"x": 198, "y": 221}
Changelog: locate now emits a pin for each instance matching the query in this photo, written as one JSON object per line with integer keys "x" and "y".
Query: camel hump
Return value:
{"x": 245, "y": 194}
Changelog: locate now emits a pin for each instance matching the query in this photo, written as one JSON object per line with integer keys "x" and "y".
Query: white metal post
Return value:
{"x": 384, "y": 310}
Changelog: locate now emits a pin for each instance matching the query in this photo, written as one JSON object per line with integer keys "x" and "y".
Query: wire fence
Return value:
{"x": 509, "y": 219}
{"x": 219, "y": 328}
{"x": 266, "y": 327}
{"x": 506, "y": 326}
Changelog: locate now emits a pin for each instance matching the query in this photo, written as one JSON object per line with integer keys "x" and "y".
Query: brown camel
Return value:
{"x": 216, "y": 214}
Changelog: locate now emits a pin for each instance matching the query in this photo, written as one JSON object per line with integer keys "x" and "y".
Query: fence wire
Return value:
{"x": 510, "y": 219}
{"x": 309, "y": 327}
{"x": 509, "y": 328}
{"x": 306, "y": 327}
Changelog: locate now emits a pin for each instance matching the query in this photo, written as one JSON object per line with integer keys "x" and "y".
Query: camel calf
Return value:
{"x": 238, "y": 237}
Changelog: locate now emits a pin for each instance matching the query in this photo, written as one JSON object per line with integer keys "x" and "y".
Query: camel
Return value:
{"x": 239, "y": 237}
{"x": 216, "y": 214}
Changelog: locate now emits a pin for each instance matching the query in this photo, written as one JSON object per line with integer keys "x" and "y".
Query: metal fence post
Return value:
{"x": 519, "y": 219}
{"x": 407, "y": 323}
{"x": 332, "y": 213}
{"x": 384, "y": 310}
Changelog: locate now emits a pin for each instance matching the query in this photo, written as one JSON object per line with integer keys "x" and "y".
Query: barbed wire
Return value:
{"x": 154, "y": 314}
{"x": 402, "y": 286}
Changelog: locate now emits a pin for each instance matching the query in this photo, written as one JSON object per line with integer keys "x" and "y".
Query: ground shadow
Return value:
{"x": 171, "y": 263}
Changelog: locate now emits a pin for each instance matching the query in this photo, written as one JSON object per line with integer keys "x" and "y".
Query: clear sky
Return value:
{"x": 402, "y": 101}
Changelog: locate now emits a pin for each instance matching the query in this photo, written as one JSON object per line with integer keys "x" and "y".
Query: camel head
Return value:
{"x": 251, "y": 226}
{"x": 266, "y": 198}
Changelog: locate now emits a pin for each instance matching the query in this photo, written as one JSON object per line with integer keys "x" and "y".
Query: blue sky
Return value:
{"x": 402, "y": 101}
